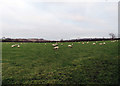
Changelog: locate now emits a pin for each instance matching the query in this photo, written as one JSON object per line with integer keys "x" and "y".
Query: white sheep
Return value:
{"x": 100, "y": 44}
{"x": 54, "y": 45}
{"x": 12, "y": 46}
{"x": 94, "y": 43}
{"x": 55, "y": 48}
{"x": 70, "y": 46}
{"x": 18, "y": 46}
{"x": 104, "y": 43}
{"x": 82, "y": 42}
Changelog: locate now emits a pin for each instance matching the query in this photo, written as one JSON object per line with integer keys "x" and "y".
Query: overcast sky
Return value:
{"x": 58, "y": 20}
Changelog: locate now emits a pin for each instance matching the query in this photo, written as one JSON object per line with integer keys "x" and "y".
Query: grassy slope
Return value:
{"x": 36, "y": 63}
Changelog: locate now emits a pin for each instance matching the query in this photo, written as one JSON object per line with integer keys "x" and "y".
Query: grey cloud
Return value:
{"x": 56, "y": 21}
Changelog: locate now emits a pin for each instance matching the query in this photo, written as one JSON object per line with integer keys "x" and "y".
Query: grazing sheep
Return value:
{"x": 82, "y": 42}
{"x": 70, "y": 46}
{"x": 55, "y": 48}
{"x": 104, "y": 43}
{"x": 100, "y": 43}
{"x": 94, "y": 43}
{"x": 54, "y": 45}
{"x": 87, "y": 42}
{"x": 18, "y": 46}
{"x": 12, "y": 46}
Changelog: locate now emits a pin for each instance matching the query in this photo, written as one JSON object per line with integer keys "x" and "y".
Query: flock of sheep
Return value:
{"x": 100, "y": 43}
{"x": 55, "y": 46}
{"x": 16, "y": 45}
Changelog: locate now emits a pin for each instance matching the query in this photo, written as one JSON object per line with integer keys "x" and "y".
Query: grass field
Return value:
{"x": 37, "y": 63}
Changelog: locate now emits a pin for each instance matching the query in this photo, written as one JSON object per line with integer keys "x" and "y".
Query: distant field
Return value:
{"x": 37, "y": 63}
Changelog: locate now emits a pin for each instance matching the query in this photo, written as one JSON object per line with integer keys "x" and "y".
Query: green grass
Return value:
{"x": 37, "y": 63}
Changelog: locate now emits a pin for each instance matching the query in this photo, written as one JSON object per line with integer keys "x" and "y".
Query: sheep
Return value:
{"x": 70, "y": 46}
{"x": 94, "y": 43}
{"x": 100, "y": 43}
{"x": 104, "y": 43}
{"x": 55, "y": 48}
{"x": 12, "y": 46}
{"x": 54, "y": 45}
{"x": 87, "y": 42}
{"x": 18, "y": 46}
{"x": 82, "y": 42}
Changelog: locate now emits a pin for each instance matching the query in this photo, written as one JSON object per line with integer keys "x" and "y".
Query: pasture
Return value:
{"x": 37, "y": 63}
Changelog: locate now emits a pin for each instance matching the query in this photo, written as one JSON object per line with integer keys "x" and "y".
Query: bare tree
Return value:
{"x": 112, "y": 35}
